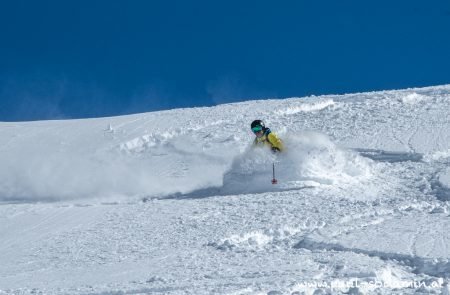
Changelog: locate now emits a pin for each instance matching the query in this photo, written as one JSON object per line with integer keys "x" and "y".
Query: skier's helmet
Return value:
{"x": 257, "y": 125}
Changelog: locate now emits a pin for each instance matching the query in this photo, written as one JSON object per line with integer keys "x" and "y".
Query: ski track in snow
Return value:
{"x": 175, "y": 202}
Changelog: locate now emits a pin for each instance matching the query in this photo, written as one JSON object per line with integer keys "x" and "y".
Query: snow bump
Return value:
{"x": 305, "y": 107}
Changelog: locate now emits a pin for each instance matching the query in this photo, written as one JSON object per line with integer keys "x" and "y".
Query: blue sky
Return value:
{"x": 78, "y": 59}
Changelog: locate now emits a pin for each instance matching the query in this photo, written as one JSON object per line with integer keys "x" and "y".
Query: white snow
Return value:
{"x": 303, "y": 105}
{"x": 177, "y": 202}
{"x": 444, "y": 178}
{"x": 414, "y": 98}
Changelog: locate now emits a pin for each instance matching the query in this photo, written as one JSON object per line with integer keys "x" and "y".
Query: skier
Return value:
{"x": 265, "y": 137}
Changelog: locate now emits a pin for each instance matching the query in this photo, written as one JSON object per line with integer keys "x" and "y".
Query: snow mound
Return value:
{"x": 414, "y": 98}
{"x": 443, "y": 186}
{"x": 145, "y": 142}
{"x": 437, "y": 156}
{"x": 249, "y": 241}
{"x": 305, "y": 107}
{"x": 258, "y": 239}
{"x": 444, "y": 178}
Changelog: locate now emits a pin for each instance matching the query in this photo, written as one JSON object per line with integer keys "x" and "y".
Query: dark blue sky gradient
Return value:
{"x": 77, "y": 59}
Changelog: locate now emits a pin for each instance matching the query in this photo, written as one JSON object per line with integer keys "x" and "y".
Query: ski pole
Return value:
{"x": 274, "y": 180}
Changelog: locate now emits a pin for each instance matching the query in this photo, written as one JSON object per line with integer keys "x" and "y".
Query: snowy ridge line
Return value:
{"x": 432, "y": 267}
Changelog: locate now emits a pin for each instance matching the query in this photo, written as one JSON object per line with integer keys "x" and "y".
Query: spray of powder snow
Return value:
{"x": 176, "y": 165}
{"x": 310, "y": 159}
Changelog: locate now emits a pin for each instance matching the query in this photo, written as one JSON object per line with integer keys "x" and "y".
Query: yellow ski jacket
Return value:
{"x": 269, "y": 139}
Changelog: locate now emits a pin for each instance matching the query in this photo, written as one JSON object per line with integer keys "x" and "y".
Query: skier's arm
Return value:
{"x": 275, "y": 141}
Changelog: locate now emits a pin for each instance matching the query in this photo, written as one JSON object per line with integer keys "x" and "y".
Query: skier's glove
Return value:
{"x": 275, "y": 150}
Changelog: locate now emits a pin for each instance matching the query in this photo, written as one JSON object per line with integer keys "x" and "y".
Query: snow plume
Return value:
{"x": 108, "y": 174}
{"x": 310, "y": 159}
{"x": 59, "y": 176}
{"x": 167, "y": 164}
{"x": 315, "y": 157}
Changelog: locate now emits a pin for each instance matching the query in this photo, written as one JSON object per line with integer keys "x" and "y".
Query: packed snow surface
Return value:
{"x": 179, "y": 202}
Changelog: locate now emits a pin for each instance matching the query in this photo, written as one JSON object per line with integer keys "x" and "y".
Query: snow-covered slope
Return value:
{"x": 178, "y": 202}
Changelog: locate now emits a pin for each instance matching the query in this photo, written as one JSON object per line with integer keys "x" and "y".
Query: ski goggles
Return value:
{"x": 257, "y": 129}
